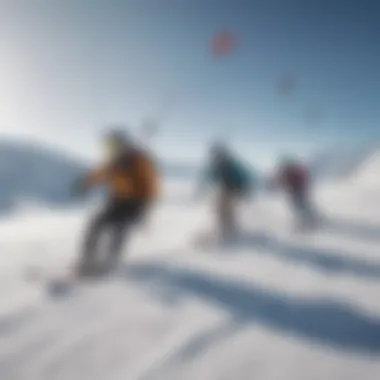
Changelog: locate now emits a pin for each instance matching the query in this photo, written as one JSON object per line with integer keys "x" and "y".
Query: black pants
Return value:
{"x": 117, "y": 218}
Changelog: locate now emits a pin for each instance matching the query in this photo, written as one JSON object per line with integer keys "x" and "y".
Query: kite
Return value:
{"x": 223, "y": 43}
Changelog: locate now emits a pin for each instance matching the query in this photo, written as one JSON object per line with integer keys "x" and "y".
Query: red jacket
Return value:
{"x": 294, "y": 178}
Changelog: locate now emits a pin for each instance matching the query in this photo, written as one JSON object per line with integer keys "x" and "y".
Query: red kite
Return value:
{"x": 223, "y": 43}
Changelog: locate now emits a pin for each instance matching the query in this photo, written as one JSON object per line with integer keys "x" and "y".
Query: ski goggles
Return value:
{"x": 111, "y": 148}
{"x": 112, "y": 145}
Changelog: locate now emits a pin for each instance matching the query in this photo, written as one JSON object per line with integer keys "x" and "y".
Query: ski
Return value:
{"x": 56, "y": 282}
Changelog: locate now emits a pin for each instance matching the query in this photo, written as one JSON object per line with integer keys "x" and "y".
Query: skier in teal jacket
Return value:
{"x": 233, "y": 180}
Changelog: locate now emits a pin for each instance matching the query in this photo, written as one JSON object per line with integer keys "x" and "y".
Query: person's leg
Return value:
{"x": 296, "y": 206}
{"x": 304, "y": 213}
{"x": 310, "y": 213}
{"x": 118, "y": 235}
{"x": 220, "y": 214}
{"x": 92, "y": 235}
{"x": 226, "y": 215}
{"x": 122, "y": 223}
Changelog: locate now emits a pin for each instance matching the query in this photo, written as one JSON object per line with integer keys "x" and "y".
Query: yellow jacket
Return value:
{"x": 131, "y": 175}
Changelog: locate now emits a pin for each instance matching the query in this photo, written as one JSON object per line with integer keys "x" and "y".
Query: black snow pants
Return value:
{"x": 116, "y": 219}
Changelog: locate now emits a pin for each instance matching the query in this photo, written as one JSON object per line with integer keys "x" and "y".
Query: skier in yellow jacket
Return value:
{"x": 132, "y": 183}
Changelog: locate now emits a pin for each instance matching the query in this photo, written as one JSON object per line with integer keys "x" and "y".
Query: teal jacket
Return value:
{"x": 232, "y": 175}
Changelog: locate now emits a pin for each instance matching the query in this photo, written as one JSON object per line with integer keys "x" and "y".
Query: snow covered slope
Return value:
{"x": 362, "y": 187}
{"x": 276, "y": 305}
{"x": 341, "y": 163}
{"x": 368, "y": 174}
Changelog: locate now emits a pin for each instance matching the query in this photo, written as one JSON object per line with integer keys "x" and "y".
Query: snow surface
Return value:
{"x": 276, "y": 306}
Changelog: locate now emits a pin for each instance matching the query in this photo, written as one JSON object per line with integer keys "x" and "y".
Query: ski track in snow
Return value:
{"x": 276, "y": 305}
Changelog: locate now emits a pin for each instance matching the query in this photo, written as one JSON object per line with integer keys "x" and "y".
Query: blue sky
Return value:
{"x": 70, "y": 67}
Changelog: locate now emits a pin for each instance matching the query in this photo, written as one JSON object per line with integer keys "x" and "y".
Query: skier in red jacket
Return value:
{"x": 294, "y": 178}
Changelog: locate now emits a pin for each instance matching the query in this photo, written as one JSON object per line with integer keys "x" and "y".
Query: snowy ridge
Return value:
{"x": 368, "y": 172}
{"x": 341, "y": 163}
{"x": 29, "y": 172}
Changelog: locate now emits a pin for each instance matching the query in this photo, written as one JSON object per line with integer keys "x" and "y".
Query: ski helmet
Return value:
{"x": 117, "y": 138}
{"x": 287, "y": 159}
{"x": 218, "y": 149}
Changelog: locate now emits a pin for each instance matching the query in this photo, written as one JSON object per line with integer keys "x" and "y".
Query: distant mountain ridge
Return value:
{"x": 29, "y": 171}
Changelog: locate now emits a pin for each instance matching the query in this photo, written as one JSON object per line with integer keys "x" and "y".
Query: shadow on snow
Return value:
{"x": 325, "y": 321}
{"x": 325, "y": 260}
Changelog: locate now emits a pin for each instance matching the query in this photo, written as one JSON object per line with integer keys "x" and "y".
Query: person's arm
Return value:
{"x": 92, "y": 178}
{"x": 96, "y": 176}
{"x": 148, "y": 178}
